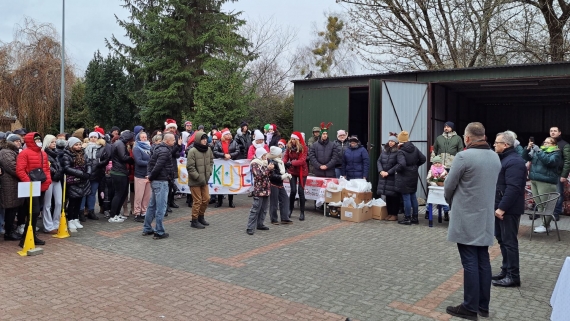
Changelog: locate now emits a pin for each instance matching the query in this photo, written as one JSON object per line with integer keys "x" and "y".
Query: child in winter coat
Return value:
{"x": 261, "y": 191}
{"x": 279, "y": 196}
{"x": 437, "y": 172}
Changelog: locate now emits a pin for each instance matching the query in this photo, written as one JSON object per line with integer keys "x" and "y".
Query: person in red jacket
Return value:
{"x": 295, "y": 160}
{"x": 32, "y": 158}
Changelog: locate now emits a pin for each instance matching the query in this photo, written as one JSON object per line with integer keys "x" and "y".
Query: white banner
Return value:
{"x": 234, "y": 177}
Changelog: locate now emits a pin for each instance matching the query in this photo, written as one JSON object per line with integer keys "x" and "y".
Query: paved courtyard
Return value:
{"x": 319, "y": 269}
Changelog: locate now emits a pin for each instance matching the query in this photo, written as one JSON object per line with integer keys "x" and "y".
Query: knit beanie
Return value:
{"x": 340, "y": 132}
{"x": 436, "y": 159}
{"x": 72, "y": 141}
{"x": 14, "y": 137}
{"x": 267, "y": 126}
{"x": 450, "y": 124}
{"x": 353, "y": 138}
{"x": 393, "y": 139}
{"x": 403, "y": 137}
{"x": 137, "y": 129}
{"x": 274, "y": 152}
{"x": 260, "y": 152}
{"x": 258, "y": 135}
{"x": 93, "y": 134}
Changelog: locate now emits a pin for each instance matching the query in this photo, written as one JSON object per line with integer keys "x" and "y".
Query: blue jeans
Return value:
{"x": 82, "y": 206}
{"x": 477, "y": 276}
{"x": 558, "y": 207}
{"x": 92, "y": 197}
{"x": 338, "y": 172}
{"x": 156, "y": 207}
{"x": 410, "y": 204}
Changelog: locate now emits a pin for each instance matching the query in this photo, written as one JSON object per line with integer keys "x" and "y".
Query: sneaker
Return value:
{"x": 148, "y": 233}
{"x": 77, "y": 224}
{"x": 21, "y": 229}
{"x": 116, "y": 219}
{"x": 160, "y": 236}
{"x": 540, "y": 229}
{"x": 71, "y": 224}
{"x": 122, "y": 217}
{"x": 139, "y": 218}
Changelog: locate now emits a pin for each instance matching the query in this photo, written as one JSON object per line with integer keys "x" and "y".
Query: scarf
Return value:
{"x": 269, "y": 137}
{"x": 448, "y": 135}
{"x": 201, "y": 148}
{"x": 261, "y": 145}
{"x": 436, "y": 171}
{"x": 226, "y": 146}
{"x": 479, "y": 144}
{"x": 548, "y": 149}
{"x": 91, "y": 150}
{"x": 143, "y": 146}
{"x": 78, "y": 159}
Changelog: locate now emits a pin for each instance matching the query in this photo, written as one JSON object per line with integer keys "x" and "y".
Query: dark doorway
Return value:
{"x": 358, "y": 114}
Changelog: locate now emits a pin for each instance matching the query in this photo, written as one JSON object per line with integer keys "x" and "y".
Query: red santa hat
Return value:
{"x": 170, "y": 123}
{"x": 100, "y": 130}
{"x": 225, "y": 131}
{"x": 283, "y": 142}
{"x": 298, "y": 136}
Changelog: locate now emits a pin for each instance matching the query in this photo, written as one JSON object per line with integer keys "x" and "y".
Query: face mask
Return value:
{"x": 39, "y": 144}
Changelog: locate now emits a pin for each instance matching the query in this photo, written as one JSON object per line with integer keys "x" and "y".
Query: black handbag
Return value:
{"x": 38, "y": 173}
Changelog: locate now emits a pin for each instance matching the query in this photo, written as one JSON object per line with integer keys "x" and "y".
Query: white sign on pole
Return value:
{"x": 24, "y": 189}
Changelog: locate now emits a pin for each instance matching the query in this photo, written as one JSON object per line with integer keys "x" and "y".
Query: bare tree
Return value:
{"x": 30, "y": 69}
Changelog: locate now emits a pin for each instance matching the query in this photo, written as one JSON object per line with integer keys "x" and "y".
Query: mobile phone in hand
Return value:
{"x": 531, "y": 139}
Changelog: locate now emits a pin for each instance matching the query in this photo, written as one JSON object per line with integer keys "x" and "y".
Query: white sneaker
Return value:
{"x": 77, "y": 224}
{"x": 116, "y": 219}
{"x": 540, "y": 229}
{"x": 21, "y": 229}
{"x": 71, "y": 224}
{"x": 122, "y": 217}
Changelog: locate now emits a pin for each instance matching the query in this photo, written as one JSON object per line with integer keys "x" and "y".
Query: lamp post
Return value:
{"x": 62, "y": 103}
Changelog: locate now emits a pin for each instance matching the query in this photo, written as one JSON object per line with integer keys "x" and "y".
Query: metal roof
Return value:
{"x": 391, "y": 73}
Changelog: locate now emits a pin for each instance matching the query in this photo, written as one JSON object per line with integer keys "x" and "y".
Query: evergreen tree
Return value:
{"x": 173, "y": 42}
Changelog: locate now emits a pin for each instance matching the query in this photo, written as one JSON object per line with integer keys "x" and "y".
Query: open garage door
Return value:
{"x": 405, "y": 107}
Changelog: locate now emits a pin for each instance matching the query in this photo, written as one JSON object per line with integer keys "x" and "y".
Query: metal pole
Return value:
{"x": 62, "y": 103}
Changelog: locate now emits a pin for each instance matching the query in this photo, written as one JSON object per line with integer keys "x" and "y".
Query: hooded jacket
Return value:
{"x": 30, "y": 159}
{"x": 199, "y": 163}
{"x": 9, "y": 181}
{"x": 56, "y": 169}
{"x": 545, "y": 166}
{"x": 410, "y": 158}
{"x": 356, "y": 162}
{"x": 121, "y": 156}
{"x": 387, "y": 162}
{"x": 141, "y": 156}
{"x": 83, "y": 187}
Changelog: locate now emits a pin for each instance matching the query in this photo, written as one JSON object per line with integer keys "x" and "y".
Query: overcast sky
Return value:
{"x": 88, "y": 23}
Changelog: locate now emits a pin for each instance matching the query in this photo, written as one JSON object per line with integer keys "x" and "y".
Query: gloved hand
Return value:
{"x": 535, "y": 148}
{"x": 286, "y": 176}
{"x": 288, "y": 165}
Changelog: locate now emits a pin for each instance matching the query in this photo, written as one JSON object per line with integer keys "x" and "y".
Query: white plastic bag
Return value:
{"x": 359, "y": 186}
{"x": 332, "y": 187}
{"x": 376, "y": 202}
{"x": 336, "y": 204}
{"x": 348, "y": 202}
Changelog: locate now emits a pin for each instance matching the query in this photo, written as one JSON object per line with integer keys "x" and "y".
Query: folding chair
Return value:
{"x": 548, "y": 209}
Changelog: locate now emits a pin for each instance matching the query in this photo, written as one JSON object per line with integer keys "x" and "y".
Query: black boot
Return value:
{"x": 173, "y": 205}
{"x": 291, "y": 206}
{"x": 220, "y": 201}
{"x": 11, "y": 236}
{"x": 406, "y": 221}
{"x": 231, "y": 201}
{"x": 302, "y": 216}
{"x": 189, "y": 200}
{"x": 426, "y": 216}
{"x": 212, "y": 200}
{"x": 415, "y": 219}
{"x": 91, "y": 215}
{"x": 446, "y": 216}
{"x": 196, "y": 224}
{"x": 202, "y": 220}
{"x": 82, "y": 216}
{"x": 37, "y": 241}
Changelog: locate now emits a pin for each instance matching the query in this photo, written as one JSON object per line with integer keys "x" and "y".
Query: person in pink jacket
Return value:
{"x": 259, "y": 142}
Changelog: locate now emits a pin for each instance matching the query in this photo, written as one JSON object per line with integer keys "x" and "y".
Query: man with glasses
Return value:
{"x": 470, "y": 189}
{"x": 509, "y": 205}
{"x": 565, "y": 170}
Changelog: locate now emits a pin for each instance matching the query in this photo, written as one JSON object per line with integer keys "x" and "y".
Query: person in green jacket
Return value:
{"x": 447, "y": 144}
{"x": 563, "y": 145}
{"x": 546, "y": 161}
{"x": 199, "y": 164}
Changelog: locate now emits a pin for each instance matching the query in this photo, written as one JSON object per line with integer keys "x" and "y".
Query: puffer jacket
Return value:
{"x": 278, "y": 173}
{"x": 9, "y": 181}
{"x": 511, "y": 183}
{"x": 387, "y": 162}
{"x": 83, "y": 187}
{"x": 356, "y": 163}
{"x": 410, "y": 158}
{"x": 199, "y": 164}
{"x": 342, "y": 146}
{"x": 160, "y": 164}
{"x": 298, "y": 161}
{"x": 55, "y": 167}
{"x": 261, "y": 186}
{"x": 244, "y": 142}
{"x": 219, "y": 151}
{"x": 545, "y": 167}
{"x": 121, "y": 156}
{"x": 98, "y": 161}
{"x": 141, "y": 157}
{"x": 30, "y": 159}
{"x": 324, "y": 153}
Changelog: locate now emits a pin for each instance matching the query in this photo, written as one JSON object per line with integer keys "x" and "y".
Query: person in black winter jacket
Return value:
{"x": 51, "y": 219}
{"x": 244, "y": 140}
{"x": 120, "y": 174}
{"x": 387, "y": 164}
{"x": 172, "y": 128}
{"x": 78, "y": 171}
{"x": 324, "y": 156}
{"x": 341, "y": 143}
{"x": 509, "y": 205}
{"x": 410, "y": 158}
{"x": 226, "y": 149}
{"x": 278, "y": 196}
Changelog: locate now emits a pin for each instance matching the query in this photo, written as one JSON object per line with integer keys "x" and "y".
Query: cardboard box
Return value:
{"x": 331, "y": 197}
{"x": 358, "y": 197}
{"x": 355, "y": 214}
{"x": 379, "y": 212}
{"x": 333, "y": 211}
